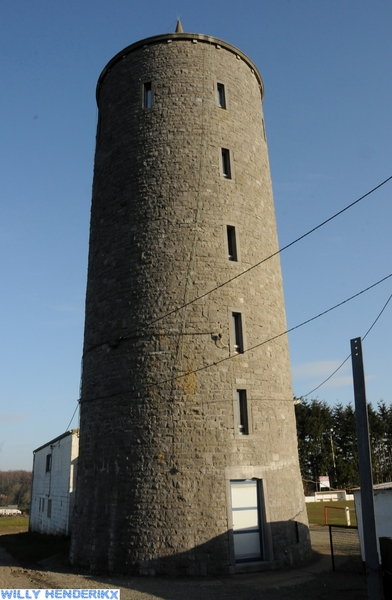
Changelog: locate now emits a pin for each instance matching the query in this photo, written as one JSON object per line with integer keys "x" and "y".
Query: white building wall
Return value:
{"x": 54, "y": 484}
{"x": 383, "y": 514}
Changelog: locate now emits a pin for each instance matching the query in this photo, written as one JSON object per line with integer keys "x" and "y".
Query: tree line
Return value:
{"x": 327, "y": 443}
{"x": 15, "y": 488}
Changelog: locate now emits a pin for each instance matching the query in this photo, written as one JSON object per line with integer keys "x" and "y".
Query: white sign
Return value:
{"x": 324, "y": 482}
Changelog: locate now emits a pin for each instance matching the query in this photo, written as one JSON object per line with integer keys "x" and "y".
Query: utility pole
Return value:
{"x": 332, "y": 449}
{"x": 373, "y": 574}
{"x": 333, "y": 456}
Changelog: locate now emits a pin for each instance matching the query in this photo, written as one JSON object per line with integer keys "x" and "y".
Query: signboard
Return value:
{"x": 324, "y": 482}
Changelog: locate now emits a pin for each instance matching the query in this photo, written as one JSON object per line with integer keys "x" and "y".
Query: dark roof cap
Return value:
{"x": 57, "y": 439}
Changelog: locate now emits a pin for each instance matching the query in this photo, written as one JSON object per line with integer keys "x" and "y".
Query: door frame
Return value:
{"x": 258, "y": 485}
{"x": 243, "y": 474}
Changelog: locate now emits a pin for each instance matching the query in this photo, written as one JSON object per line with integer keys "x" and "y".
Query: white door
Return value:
{"x": 245, "y": 508}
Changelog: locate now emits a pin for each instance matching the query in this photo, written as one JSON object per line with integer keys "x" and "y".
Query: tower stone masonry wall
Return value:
{"x": 159, "y": 431}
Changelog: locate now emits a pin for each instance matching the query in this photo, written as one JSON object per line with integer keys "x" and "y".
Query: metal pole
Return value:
{"x": 331, "y": 545}
{"x": 332, "y": 450}
{"x": 373, "y": 573}
{"x": 333, "y": 458}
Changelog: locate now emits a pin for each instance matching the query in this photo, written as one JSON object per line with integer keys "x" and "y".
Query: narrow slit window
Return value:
{"x": 226, "y": 168}
{"x": 242, "y": 405}
{"x": 49, "y": 509}
{"x": 48, "y": 465}
{"x": 238, "y": 333}
{"x": 147, "y": 94}
{"x": 221, "y": 95}
{"x": 231, "y": 243}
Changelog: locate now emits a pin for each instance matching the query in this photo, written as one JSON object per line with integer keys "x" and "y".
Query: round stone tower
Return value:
{"x": 188, "y": 454}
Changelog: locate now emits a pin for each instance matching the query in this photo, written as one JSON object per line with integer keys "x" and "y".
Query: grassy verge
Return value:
{"x": 335, "y": 517}
{"x": 11, "y": 522}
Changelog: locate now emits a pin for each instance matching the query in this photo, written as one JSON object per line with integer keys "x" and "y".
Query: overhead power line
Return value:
{"x": 188, "y": 303}
{"x": 267, "y": 258}
{"x": 346, "y": 359}
{"x": 275, "y": 337}
{"x": 69, "y": 424}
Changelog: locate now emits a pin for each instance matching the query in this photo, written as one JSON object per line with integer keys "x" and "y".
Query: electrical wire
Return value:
{"x": 346, "y": 359}
{"x": 69, "y": 424}
{"x": 186, "y": 304}
{"x": 204, "y": 367}
{"x": 234, "y": 356}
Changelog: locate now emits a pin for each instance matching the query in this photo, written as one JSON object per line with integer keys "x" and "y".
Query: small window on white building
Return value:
{"x": 48, "y": 465}
{"x": 49, "y": 509}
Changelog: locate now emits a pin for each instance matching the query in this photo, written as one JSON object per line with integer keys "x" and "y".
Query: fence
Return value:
{"x": 345, "y": 548}
{"x": 344, "y": 516}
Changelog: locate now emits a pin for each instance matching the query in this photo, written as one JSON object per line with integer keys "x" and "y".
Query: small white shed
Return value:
{"x": 53, "y": 484}
{"x": 382, "y": 494}
{"x": 10, "y": 511}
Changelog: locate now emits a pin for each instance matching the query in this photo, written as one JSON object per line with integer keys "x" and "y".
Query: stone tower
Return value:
{"x": 188, "y": 454}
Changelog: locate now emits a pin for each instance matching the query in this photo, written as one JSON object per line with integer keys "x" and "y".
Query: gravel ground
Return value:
{"x": 313, "y": 581}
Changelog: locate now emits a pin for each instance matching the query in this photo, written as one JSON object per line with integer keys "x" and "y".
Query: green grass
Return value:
{"x": 31, "y": 547}
{"x": 335, "y": 517}
{"x": 9, "y": 522}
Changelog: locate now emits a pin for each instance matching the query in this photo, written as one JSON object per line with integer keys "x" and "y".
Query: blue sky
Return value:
{"x": 326, "y": 67}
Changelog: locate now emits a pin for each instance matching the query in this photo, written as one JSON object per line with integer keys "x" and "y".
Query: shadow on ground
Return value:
{"x": 314, "y": 580}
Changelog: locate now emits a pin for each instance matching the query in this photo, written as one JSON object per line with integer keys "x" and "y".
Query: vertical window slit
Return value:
{"x": 242, "y": 404}
{"x": 147, "y": 94}
{"x": 231, "y": 243}
{"x": 238, "y": 334}
{"x": 226, "y": 168}
{"x": 221, "y": 95}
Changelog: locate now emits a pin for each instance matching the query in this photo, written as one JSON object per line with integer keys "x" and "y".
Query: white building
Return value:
{"x": 382, "y": 494}
{"x": 53, "y": 485}
{"x": 10, "y": 511}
